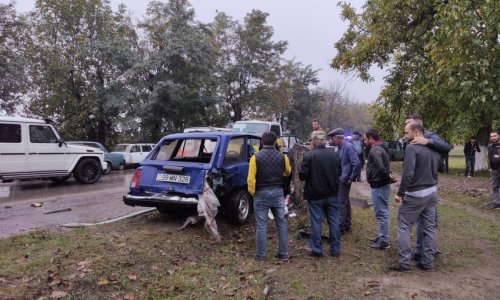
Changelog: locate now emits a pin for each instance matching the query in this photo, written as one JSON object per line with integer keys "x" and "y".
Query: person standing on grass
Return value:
{"x": 418, "y": 197}
{"x": 265, "y": 182}
{"x": 494, "y": 160}
{"x": 434, "y": 142}
{"x": 350, "y": 166}
{"x": 357, "y": 142}
{"x": 470, "y": 150}
{"x": 378, "y": 175}
{"x": 320, "y": 169}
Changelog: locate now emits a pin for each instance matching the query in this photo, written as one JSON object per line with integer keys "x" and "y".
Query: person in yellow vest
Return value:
{"x": 265, "y": 183}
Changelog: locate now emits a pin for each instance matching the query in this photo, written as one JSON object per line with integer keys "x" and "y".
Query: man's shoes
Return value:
{"x": 399, "y": 268}
{"x": 334, "y": 254}
{"x": 425, "y": 268}
{"x": 374, "y": 240}
{"x": 416, "y": 257}
{"x": 315, "y": 254}
{"x": 282, "y": 257}
{"x": 381, "y": 245}
{"x": 494, "y": 206}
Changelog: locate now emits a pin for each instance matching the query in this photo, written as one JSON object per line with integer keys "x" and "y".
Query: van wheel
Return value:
{"x": 238, "y": 207}
{"x": 87, "y": 171}
{"x": 60, "y": 180}
{"x": 107, "y": 170}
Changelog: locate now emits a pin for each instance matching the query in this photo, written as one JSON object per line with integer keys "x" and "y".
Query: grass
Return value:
{"x": 144, "y": 258}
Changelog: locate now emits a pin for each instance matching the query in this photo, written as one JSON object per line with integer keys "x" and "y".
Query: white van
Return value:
{"x": 31, "y": 148}
{"x": 134, "y": 153}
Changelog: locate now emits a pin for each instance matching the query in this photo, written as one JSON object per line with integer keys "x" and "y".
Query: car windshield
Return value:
{"x": 197, "y": 150}
{"x": 121, "y": 148}
{"x": 257, "y": 128}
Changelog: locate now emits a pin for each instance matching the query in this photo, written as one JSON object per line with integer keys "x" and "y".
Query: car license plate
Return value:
{"x": 173, "y": 178}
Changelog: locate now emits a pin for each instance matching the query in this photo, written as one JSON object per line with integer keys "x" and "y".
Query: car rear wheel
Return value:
{"x": 238, "y": 207}
{"x": 88, "y": 171}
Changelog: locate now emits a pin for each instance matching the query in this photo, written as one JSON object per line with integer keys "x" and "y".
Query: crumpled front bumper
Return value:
{"x": 159, "y": 199}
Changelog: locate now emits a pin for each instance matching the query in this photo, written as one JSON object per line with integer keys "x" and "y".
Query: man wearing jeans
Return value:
{"x": 350, "y": 166}
{"x": 418, "y": 197}
{"x": 320, "y": 168}
{"x": 265, "y": 182}
{"x": 494, "y": 160}
{"x": 378, "y": 175}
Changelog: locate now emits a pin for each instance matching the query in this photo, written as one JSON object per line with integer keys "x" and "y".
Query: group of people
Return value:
{"x": 328, "y": 176}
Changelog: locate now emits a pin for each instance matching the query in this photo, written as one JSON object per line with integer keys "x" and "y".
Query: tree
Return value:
{"x": 176, "y": 79}
{"x": 79, "y": 55}
{"x": 13, "y": 79}
{"x": 248, "y": 61}
{"x": 443, "y": 59}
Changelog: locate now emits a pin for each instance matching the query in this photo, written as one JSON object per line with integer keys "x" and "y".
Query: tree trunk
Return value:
{"x": 483, "y": 135}
{"x": 295, "y": 155}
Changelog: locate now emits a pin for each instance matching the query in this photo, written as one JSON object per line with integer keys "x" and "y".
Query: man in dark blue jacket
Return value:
{"x": 350, "y": 166}
{"x": 470, "y": 150}
{"x": 320, "y": 168}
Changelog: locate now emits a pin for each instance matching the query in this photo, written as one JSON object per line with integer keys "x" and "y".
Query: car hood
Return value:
{"x": 84, "y": 149}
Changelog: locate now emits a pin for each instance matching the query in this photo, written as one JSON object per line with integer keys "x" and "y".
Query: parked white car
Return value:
{"x": 134, "y": 153}
{"x": 31, "y": 148}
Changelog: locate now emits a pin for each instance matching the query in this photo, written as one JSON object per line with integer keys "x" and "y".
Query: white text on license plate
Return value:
{"x": 173, "y": 178}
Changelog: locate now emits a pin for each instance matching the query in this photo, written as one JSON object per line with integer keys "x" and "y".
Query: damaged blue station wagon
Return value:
{"x": 174, "y": 173}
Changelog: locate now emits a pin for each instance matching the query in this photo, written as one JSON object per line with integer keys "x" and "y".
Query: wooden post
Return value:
{"x": 295, "y": 155}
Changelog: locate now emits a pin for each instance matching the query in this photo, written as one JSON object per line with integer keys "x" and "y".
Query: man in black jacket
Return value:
{"x": 378, "y": 175}
{"x": 470, "y": 150}
{"x": 494, "y": 160}
{"x": 320, "y": 169}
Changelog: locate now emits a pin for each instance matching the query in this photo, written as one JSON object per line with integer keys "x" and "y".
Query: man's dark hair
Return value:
{"x": 417, "y": 127}
{"x": 373, "y": 134}
{"x": 356, "y": 132}
{"x": 415, "y": 117}
{"x": 269, "y": 138}
{"x": 316, "y": 120}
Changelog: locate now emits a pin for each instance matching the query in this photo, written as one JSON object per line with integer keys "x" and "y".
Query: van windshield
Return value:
{"x": 257, "y": 128}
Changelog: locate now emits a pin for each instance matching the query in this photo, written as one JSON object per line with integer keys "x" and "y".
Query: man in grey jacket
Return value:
{"x": 418, "y": 197}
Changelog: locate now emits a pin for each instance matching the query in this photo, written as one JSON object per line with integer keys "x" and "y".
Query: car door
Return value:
{"x": 44, "y": 151}
{"x": 135, "y": 154}
{"x": 238, "y": 153}
{"x": 13, "y": 155}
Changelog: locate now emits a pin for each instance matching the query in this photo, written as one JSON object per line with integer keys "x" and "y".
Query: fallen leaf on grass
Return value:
{"x": 171, "y": 271}
{"x": 58, "y": 294}
{"x": 414, "y": 295}
{"x": 132, "y": 277}
{"x": 103, "y": 281}
{"x": 128, "y": 297}
{"x": 367, "y": 293}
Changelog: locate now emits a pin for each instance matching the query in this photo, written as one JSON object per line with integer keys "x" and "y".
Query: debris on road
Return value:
{"x": 57, "y": 211}
{"x": 37, "y": 204}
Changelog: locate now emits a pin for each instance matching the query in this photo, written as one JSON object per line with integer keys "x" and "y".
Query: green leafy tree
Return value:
{"x": 249, "y": 62}
{"x": 443, "y": 59}
{"x": 80, "y": 53}
{"x": 13, "y": 78}
{"x": 176, "y": 78}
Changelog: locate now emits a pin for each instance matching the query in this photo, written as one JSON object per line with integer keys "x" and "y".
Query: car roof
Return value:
{"x": 23, "y": 120}
{"x": 256, "y": 121}
{"x": 209, "y": 134}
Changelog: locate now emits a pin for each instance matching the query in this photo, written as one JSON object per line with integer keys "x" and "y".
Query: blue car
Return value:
{"x": 174, "y": 173}
{"x": 115, "y": 161}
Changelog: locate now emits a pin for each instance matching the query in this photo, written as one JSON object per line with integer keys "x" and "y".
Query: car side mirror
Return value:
{"x": 60, "y": 141}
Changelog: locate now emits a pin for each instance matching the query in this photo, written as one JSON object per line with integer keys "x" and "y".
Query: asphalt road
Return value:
{"x": 76, "y": 203}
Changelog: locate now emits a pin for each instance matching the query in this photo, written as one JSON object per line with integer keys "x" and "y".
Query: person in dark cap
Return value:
{"x": 350, "y": 166}
{"x": 320, "y": 168}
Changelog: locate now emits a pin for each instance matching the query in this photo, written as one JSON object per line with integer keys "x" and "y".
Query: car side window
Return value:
{"x": 146, "y": 148}
{"x": 235, "y": 151}
{"x": 135, "y": 148}
{"x": 42, "y": 134}
{"x": 10, "y": 133}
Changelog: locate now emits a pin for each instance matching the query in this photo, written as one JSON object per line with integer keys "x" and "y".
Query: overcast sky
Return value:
{"x": 310, "y": 27}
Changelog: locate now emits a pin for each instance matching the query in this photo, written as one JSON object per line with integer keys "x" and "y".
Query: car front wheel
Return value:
{"x": 88, "y": 171}
{"x": 238, "y": 207}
